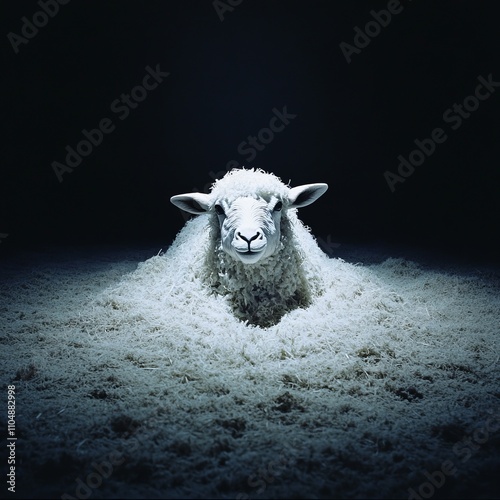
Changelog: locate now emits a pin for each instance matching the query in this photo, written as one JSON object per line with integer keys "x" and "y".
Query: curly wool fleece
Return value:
{"x": 252, "y": 182}
{"x": 260, "y": 293}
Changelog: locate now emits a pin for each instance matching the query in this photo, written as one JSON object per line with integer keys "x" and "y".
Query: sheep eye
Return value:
{"x": 278, "y": 206}
{"x": 219, "y": 210}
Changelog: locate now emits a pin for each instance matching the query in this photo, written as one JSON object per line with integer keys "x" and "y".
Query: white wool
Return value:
{"x": 371, "y": 385}
{"x": 259, "y": 293}
{"x": 251, "y": 182}
{"x": 366, "y": 390}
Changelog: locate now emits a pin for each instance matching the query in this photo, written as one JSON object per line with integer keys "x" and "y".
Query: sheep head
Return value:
{"x": 249, "y": 206}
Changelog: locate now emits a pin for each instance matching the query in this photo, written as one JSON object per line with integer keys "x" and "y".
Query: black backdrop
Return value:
{"x": 229, "y": 68}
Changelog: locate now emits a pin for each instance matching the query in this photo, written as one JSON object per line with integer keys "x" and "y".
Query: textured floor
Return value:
{"x": 132, "y": 384}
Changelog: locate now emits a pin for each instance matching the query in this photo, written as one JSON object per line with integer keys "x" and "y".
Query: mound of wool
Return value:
{"x": 263, "y": 292}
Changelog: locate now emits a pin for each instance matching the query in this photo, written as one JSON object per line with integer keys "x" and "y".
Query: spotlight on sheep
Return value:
{"x": 258, "y": 254}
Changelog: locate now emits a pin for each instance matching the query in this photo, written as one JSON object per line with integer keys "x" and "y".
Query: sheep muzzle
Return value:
{"x": 249, "y": 244}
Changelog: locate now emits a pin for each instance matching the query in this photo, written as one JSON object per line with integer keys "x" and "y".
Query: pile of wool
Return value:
{"x": 259, "y": 293}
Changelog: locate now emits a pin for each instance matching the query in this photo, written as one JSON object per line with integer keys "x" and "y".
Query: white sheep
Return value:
{"x": 257, "y": 250}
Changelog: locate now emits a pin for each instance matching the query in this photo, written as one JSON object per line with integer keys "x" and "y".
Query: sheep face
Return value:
{"x": 250, "y": 227}
{"x": 250, "y": 219}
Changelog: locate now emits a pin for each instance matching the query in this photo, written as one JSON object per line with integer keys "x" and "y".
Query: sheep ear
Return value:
{"x": 194, "y": 203}
{"x": 301, "y": 196}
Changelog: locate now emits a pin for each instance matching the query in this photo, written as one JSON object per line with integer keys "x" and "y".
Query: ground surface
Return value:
{"x": 126, "y": 388}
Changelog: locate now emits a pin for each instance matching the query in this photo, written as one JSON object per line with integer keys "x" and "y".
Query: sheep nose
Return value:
{"x": 248, "y": 235}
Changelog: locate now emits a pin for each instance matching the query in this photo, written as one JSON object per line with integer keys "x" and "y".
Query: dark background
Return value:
{"x": 353, "y": 120}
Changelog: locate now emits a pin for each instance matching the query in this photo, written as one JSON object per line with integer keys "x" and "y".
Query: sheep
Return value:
{"x": 257, "y": 249}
